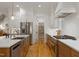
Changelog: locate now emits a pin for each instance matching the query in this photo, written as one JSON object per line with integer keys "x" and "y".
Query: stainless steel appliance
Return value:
{"x": 26, "y": 27}
{"x": 15, "y": 50}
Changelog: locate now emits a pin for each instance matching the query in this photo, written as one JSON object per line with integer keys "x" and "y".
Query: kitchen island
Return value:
{"x": 25, "y": 44}
{"x": 7, "y": 46}
{"x": 14, "y": 47}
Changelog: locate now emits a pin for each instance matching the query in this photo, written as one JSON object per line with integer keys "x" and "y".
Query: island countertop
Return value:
{"x": 21, "y": 35}
{"x": 7, "y": 42}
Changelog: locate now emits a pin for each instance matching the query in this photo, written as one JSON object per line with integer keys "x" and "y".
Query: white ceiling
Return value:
{"x": 48, "y": 5}
{"x": 28, "y": 3}
{"x": 7, "y": 5}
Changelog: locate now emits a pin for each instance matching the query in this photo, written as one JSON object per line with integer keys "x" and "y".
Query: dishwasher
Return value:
{"x": 15, "y": 50}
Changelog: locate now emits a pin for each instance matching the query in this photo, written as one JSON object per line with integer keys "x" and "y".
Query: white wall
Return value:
{"x": 5, "y": 12}
{"x": 31, "y": 15}
{"x": 53, "y": 20}
{"x": 40, "y": 15}
{"x": 71, "y": 23}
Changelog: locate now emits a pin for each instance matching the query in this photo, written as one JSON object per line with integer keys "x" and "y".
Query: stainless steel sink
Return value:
{"x": 65, "y": 37}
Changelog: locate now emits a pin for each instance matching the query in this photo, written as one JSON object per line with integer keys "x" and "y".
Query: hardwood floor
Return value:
{"x": 39, "y": 49}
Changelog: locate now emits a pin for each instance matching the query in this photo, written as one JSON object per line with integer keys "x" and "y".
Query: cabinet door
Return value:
{"x": 67, "y": 51}
{"x": 74, "y": 53}
{"x": 63, "y": 50}
{"x": 26, "y": 46}
{"x": 22, "y": 47}
{"x": 60, "y": 49}
{"x": 4, "y": 52}
{"x": 52, "y": 45}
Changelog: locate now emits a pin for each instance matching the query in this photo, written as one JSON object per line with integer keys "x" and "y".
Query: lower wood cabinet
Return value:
{"x": 30, "y": 39}
{"x": 52, "y": 44}
{"x": 63, "y": 50}
{"x": 60, "y": 49}
{"x": 20, "y": 49}
{"x": 4, "y": 52}
{"x": 66, "y": 51}
{"x": 24, "y": 47}
{"x": 74, "y": 53}
{"x": 13, "y": 51}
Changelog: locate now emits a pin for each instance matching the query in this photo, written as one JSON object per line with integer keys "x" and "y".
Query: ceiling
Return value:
{"x": 4, "y": 5}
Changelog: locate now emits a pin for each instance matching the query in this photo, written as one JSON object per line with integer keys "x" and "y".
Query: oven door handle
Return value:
{"x": 16, "y": 46}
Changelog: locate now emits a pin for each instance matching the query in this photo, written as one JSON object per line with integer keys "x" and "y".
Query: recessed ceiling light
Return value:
{"x": 17, "y": 6}
{"x": 39, "y": 5}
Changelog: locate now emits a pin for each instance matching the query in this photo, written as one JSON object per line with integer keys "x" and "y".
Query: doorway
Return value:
{"x": 41, "y": 31}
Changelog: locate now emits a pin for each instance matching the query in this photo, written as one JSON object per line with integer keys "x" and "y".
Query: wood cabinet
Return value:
{"x": 22, "y": 48}
{"x": 63, "y": 50}
{"x": 52, "y": 44}
{"x": 4, "y": 52}
{"x": 25, "y": 46}
{"x": 74, "y": 53}
{"x": 13, "y": 51}
{"x": 60, "y": 49}
{"x": 30, "y": 39}
{"x": 19, "y": 49}
{"x": 66, "y": 51}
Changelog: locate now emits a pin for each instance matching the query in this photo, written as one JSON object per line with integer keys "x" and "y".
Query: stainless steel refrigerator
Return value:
{"x": 26, "y": 27}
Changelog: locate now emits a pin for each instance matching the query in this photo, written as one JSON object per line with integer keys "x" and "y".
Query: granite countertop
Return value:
{"x": 21, "y": 35}
{"x": 74, "y": 44}
{"x": 7, "y": 42}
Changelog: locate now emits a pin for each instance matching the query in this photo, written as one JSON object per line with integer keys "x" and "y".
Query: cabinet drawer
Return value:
{"x": 4, "y": 52}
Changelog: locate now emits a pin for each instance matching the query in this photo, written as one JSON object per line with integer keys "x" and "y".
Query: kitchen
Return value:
{"x": 39, "y": 29}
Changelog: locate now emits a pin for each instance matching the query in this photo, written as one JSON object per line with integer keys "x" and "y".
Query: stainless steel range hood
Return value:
{"x": 64, "y": 9}
{"x": 64, "y": 13}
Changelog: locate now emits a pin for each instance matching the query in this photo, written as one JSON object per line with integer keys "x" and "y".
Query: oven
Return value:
{"x": 15, "y": 50}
